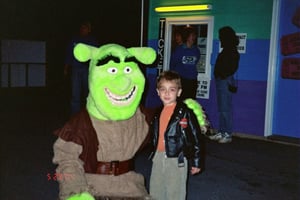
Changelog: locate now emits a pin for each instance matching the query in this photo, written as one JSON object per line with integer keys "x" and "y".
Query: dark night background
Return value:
{"x": 53, "y": 21}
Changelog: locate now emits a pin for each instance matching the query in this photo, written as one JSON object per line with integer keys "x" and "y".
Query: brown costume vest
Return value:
{"x": 79, "y": 129}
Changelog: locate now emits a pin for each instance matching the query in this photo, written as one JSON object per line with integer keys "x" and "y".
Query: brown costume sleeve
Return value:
{"x": 79, "y": 129}
{"x": 70, "y": 168}
{"x": 75, "y": 153}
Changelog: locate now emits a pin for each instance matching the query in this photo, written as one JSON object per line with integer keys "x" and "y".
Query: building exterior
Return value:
{"x": 267, "y": 101}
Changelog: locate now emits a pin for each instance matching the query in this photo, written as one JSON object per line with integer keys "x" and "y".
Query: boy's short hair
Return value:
{"x": 169, "y": 76}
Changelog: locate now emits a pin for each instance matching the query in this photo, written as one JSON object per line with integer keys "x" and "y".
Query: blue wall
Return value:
{"x": 249, "y": 101}
{"x": 287, "y": 95}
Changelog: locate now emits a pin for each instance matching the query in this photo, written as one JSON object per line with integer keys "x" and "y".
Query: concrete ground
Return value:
{"x": 245, "y": 169}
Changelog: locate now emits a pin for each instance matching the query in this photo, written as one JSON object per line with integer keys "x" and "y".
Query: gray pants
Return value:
{"x": 168, "y": 181}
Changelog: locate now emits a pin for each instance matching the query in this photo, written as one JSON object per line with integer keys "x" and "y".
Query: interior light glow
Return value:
{"x": 184, "y": 8}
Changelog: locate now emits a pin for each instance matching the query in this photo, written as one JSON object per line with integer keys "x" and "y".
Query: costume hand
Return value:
{"x": 195, "y": 170}
{"x": 198, "y": 111}
{"x": 81, "y": 196}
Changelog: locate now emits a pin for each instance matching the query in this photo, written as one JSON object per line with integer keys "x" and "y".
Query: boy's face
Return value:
{"x": 168, "y": 92}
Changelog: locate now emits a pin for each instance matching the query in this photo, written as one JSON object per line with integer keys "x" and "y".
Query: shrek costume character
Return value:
{"x": 97, "y": 145}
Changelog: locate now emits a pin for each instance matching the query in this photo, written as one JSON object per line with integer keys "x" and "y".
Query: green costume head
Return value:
{"x": 116, "y": 83}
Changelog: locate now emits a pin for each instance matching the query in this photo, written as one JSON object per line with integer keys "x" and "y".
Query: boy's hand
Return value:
{"x": 195, "y": 170}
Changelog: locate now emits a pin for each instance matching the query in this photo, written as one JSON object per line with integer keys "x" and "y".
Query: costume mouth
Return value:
{"x": 121, "y": 100}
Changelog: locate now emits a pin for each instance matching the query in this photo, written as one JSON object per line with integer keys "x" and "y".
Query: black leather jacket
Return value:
{"x": 182, "y": 137}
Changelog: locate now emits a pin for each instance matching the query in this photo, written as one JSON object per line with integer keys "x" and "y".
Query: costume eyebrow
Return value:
{"x": 105, "y": 60}
{"x": 131, "y": 59}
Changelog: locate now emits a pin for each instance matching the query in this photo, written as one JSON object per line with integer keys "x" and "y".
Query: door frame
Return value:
{"x": 195, "y": 20}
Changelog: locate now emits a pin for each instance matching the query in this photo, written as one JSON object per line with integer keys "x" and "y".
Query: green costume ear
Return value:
{"x": 83, "y": 52}
{"x": 145, "y": 55}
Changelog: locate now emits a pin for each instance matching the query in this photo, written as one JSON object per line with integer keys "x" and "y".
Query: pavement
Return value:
{"x": 245, "y": 169}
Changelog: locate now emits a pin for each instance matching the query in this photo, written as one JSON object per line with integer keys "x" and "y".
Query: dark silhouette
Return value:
{"x": 226, "y": 65}
{"x": 78, "y": 70}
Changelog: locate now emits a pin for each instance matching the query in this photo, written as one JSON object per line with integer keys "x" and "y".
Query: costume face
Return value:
{"x": 115, "y": 89}
{"x": 116, "y": 83}
{"x": 168, "y": 92}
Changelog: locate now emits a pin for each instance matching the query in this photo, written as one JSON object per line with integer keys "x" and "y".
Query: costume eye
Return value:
{"x": 127, "y": 70}
{"x": 112, "y": 70}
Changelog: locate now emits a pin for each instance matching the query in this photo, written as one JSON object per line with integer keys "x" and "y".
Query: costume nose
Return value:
{"x": 122, "y": 83}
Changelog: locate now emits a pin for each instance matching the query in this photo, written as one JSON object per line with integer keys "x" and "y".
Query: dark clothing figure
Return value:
{"x": 226, "y": 65}
{"x": 78, "y": 70}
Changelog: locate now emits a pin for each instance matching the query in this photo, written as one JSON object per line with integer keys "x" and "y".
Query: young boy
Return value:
{"x": 176, "y": 139}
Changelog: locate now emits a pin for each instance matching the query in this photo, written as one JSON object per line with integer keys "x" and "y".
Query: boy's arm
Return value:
{"x": 198, "y": 141}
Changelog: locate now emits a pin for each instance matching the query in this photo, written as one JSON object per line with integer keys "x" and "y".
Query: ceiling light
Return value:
{"x": 184, "y": 8}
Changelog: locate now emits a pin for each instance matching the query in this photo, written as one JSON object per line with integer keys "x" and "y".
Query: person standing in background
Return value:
{"x": 79, "y": 70}
{"x": 184, "y": 61}
{"x": 226, "y": 65}
{"x": 177, "y": 38}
